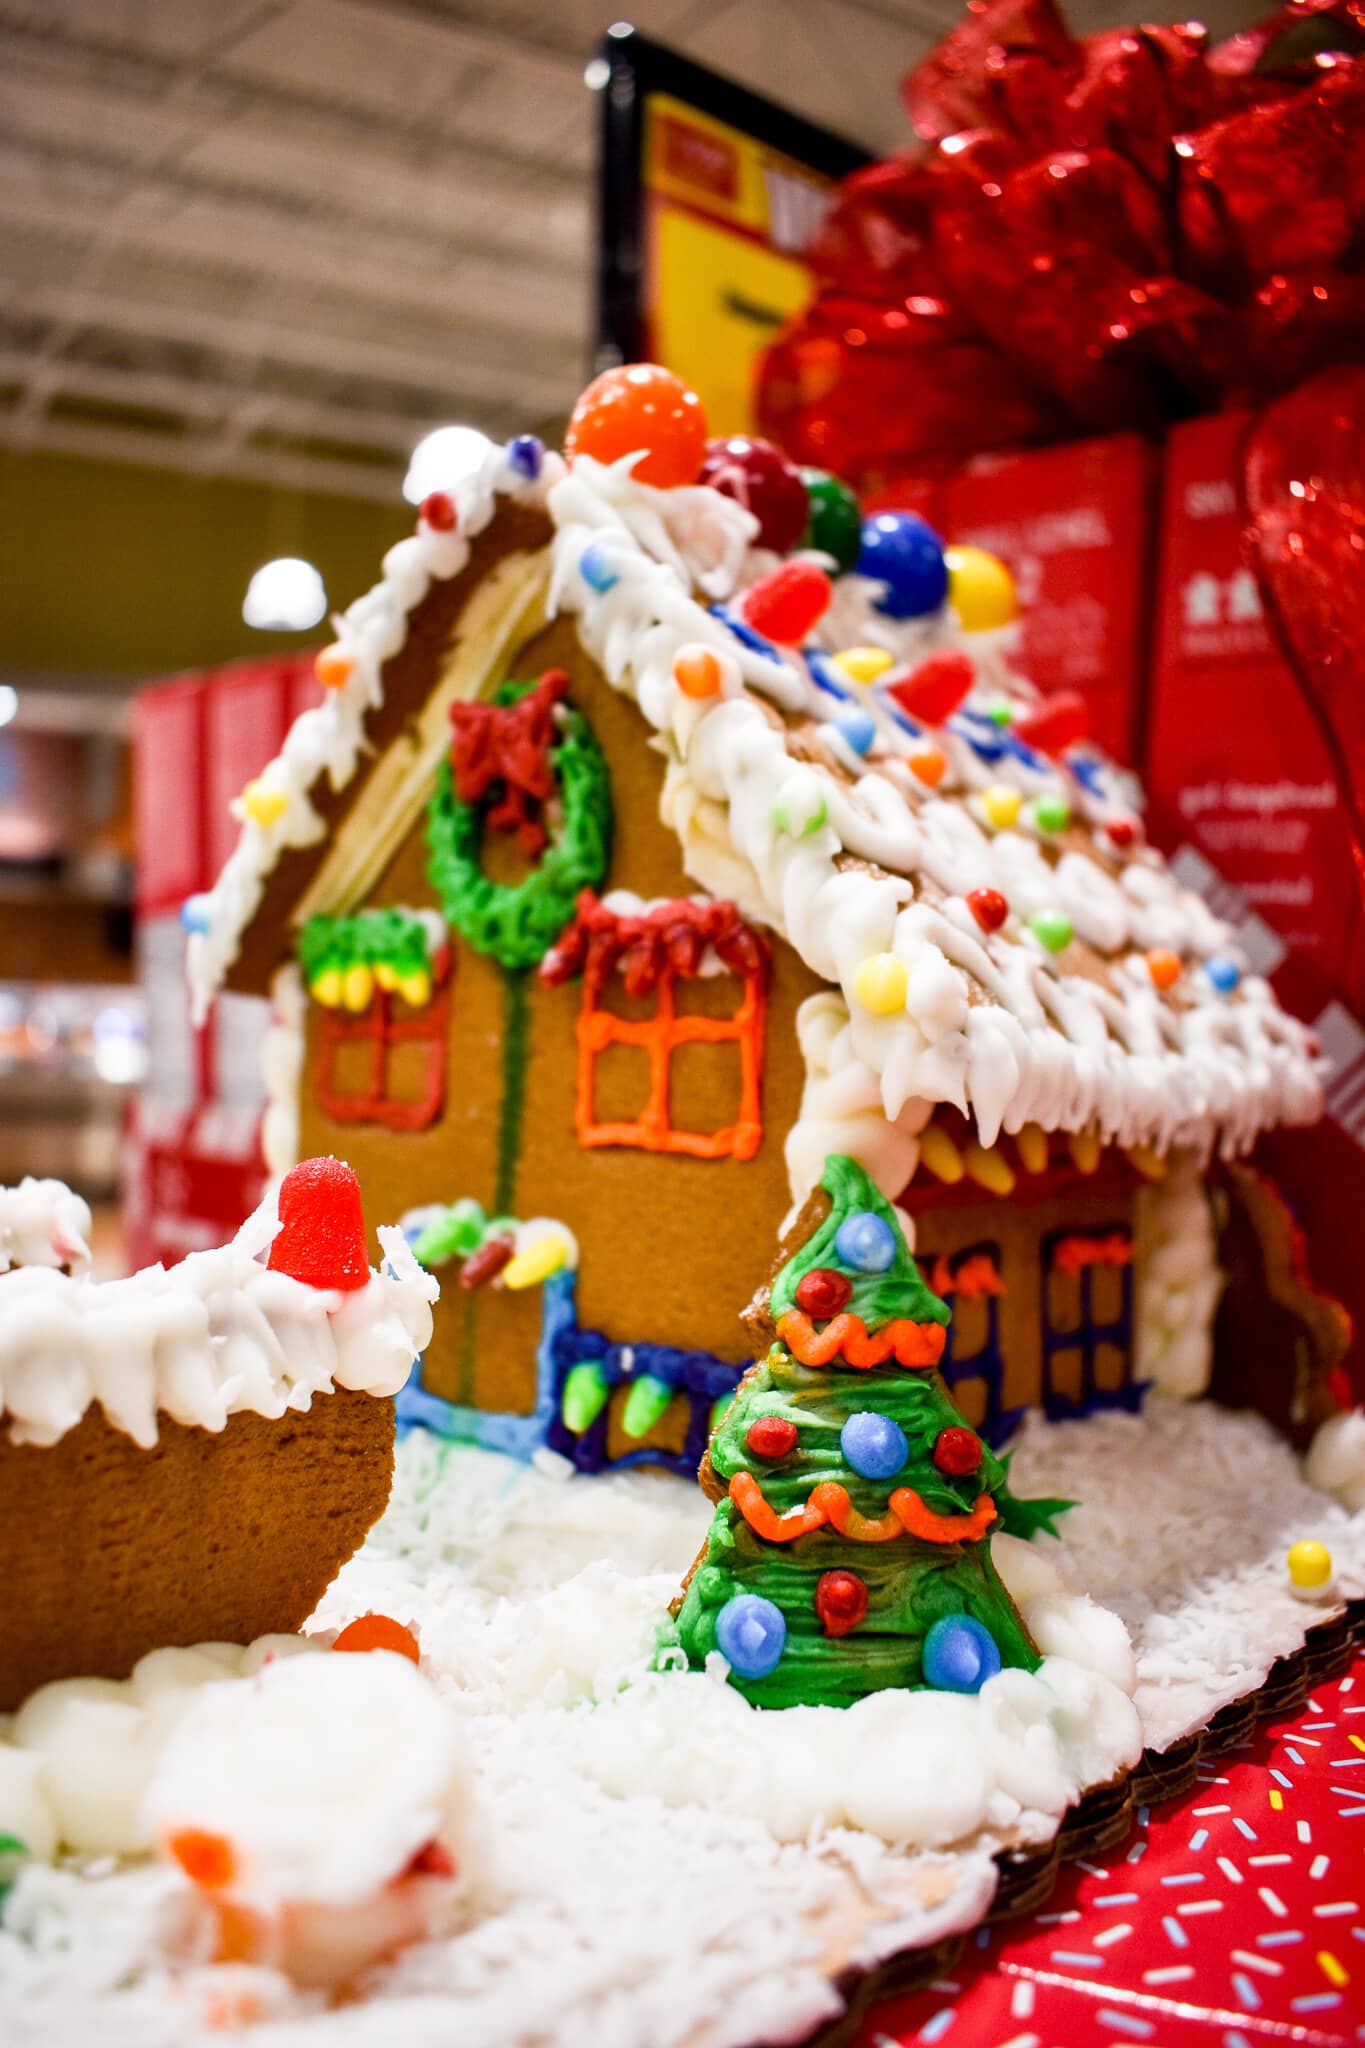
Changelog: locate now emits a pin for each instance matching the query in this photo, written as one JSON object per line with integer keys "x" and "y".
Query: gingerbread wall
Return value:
{"x": 671, "y": 1247}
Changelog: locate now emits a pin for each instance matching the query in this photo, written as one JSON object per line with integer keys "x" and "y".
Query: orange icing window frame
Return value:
{"x": 653, "y": 951}
{"x": 380, "y": 1027}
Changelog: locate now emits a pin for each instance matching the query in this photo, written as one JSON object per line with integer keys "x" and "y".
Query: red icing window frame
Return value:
{"x": 385, "y": 1023}
{"x": 653, "y": 952}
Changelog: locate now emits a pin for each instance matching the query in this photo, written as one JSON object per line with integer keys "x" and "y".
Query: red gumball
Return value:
{"x": 1053, "y": 726}
{"x": 822, "y": 1292}
{"x": 988, "y": 907}
{"x": 932, "y": 691}
{"x": 641, "y": 406}
{"x": 1122, "y": 832}
{"x": 771, "y": 1436}
{"x": 787, "y": 602}
{"x": 760, "y": 478}
{"x": 840, "y": 1601}
{"x": 321, "y": 1238}
{"x": 957, "y": 1451}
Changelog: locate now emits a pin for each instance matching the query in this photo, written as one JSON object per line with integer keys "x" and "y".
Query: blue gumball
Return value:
{"x": 751, "y": 1634}
{"x": 902, "y": 552}
{"x": 1223, "y": 973}
{"x": 596, "y": 567}
{"x": 857, "y": 727}
{"x": 196, "y": 913}
{"x": 959, "y": 1654}
{"x": 866, "y": 1242}
{"x": 526, "y": 455}
{"x": 875, "y": 1446}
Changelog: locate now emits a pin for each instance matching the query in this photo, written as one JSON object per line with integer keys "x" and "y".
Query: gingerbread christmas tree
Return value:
{"x": 850, "y": 1547}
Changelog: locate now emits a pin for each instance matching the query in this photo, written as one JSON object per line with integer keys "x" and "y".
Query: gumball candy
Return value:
{"x": 858, "y": 728}
{"x": 928, "y": 765}
{"x": 822, "y": 1292}
{"x": 1122, "y": 832}
{"x": 959, "y": 1654}
{"x": 981, "y": 589}
{"x": 988, "y": 907}
{"x": 751, "y": 1634}
{"x": 880, "y": 984}
{"x": 835, "y": 525}
{"x": 1053, "y": 929}
{"x": 840, "y": 1601}
{"x": 596, "y": 567}
{"x": 1309, "y": 1563}
{"x": 1051, "y": 813}
{"x": 379, "y": 1632}
{"x": 1001, "y": 805}
{"x": 641, "y": 407}
{"x": 957, "y": 1451}
{"x": 196, "y": 913}
{"x": 902, "y": 552}
{"x": 321, "y": 1238}
{"x": 1223, "y": 974}
{"x": 1055, "y": 725}
{"x": 866, "y": 1243}
{"x": 935, "y": 687}
{"x": 874, "y": 1445}
{"x": 760, "y": 478}
{"x": 697, "y": 671}
{"x": 1164, "y": 967}
{"x": 786, "y": 603}
{"x": 771, "y": 1436}
{"x": 438, "y": 512}
{"x": 526, "y": 455}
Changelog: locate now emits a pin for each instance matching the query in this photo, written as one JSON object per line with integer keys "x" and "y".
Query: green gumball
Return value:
{"x": 835, "y": 525}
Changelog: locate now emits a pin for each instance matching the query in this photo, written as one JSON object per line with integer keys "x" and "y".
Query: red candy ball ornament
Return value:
{"x": 760, "y": 478}
{"x": 988, "y": 907}
{"x": 787, "y": 602}
{"x": 932, "y": 691}
{"x": 771, "y": 1436}
{"x": 822, "y": 1292}
{"x": 840, "y": 1601}
{"x": 641, "y": 406}
{"x": 437, "y": 510}
{"x": 321, "y": 1238}
{"x": 957, "y": 1451}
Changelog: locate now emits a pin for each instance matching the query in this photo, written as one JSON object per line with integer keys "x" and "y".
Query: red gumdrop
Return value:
{"x": 438, "y": 510}
{"x": 787, "y": 602}
{"x": 988, "y": 907}
{"x": 321, "y": 1239}
{"x": 1122, "y": 831}
{"x": 933, "y": 691}
{"x": 822, "y": 1292}
{"x": 771, "y": 1436}
{"x": 760, "y": 478}
{"x": 957, "y": 1451}
{"x": 1054, "y": 725}
{"x": 840, "y": 1601}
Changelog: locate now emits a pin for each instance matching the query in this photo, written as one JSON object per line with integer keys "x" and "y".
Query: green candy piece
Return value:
{"x": 1053, "y": 929}
{"x": 835, "y": 525}
{"x": 1052, "y": 814}
{"x": 645, "y": 1404}
{"x": 585, "y": 1396}
{"x": 1000, "y": 712}
{"x": 453, "y": 1236}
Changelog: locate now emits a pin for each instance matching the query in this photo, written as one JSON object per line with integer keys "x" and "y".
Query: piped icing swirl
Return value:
{"x": 44, "y": 1223}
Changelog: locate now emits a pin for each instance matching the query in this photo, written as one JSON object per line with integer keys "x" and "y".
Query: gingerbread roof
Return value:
{"x": 940, "y": 845}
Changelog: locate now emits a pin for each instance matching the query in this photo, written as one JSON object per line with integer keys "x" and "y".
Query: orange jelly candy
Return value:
{"x": 641, "y": 405}
{"x": 379, "y": 1632}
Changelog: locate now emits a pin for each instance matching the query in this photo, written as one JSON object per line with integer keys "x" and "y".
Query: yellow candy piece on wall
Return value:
{"x": 980, "y": 589}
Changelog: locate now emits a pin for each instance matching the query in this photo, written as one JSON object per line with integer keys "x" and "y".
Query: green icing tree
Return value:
{"x": 888, "y": 1580}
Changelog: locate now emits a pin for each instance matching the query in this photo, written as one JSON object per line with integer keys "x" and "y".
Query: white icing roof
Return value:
{"x": 994, "y": 1023}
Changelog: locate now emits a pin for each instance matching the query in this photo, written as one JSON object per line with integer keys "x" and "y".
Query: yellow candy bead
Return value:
{"x": 980, "y": 589}
{"x": 263, "y": 805}
{"x": 415, "y": 989}
{"x": 880, "y": 984}
{"x": 1084, "y": 1147}
{"x": 1310, "y": 1563}
{"x": 386, "y": 976}
{"x": 357, "y": 987}
{"x": 1001, "y": 805}
{"x": 1031, "y": 1144}
{"x": 536, "y": 1263}
{"x": 989, "y": 1170}
{"x": 327, "y": 987}
{"x": 862, "y": 664}
{"x": 941, "y": 1155}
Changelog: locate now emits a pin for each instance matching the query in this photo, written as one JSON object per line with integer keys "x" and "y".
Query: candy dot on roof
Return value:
{"x": 1309, "y": 1563}
{"x": 1051, "y": 813}
{"x": 751, "y": 1634}
{"x": 641, "y": 406}
{"x": 835, "y": 525}
{"x": 957, "y": 1451}
{"x": 988, "y": 907}
{"x": 596, "y": 567}
{"x": 980, "y": 589}
{"x": 959, "y": 1654}
{"x": 437, "y": 510}
{"x": 858, "y": 728}
{"x": 263, "y": 806}
{"x": 1054, "y": 725}
{"x": 1000, "y": 711}
{"x": 771, "y": 1436}
{"x": 840, "y": 1601}
{"x": 378, "y": 1632}
{"x": 874, "y": 1445}
{"x": 1053, "y": 929}
{"x": 902, "y": 552}
{"x": 880, "y": 984}
{"x": 526, "y": 455}
{"x": 935, "y": 686}
{"x": 787, "y": 602}
{"x": 1001, "y": 805}
{"x": 196, "y": 913}
{"x": 760, "y": 478}
{"x": 207, "y": 1859}
{"x": 1121, "y": 832}
{"x": 1223, "y": 974}
{"x": 862, "y": 664}
{"x": 697, "y": 671}
{"x": 1164, "y": 967}
{"x": 333, "y": 666}
{"x": 801, "y": 808}
{"x": 822, "y": 1292}
{"x": 927, "y": 765}
{"x": 321, "y": 1238}
{"x": 866, "y": 1242}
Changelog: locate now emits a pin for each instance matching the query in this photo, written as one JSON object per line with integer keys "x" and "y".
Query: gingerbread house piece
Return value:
{"x": 630, "y": 868}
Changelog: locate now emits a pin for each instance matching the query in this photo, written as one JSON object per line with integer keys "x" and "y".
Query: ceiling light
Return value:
{"x": 9, "y": 702}
{"x": 285, "y": 596}
{"x": 441, "y": 459}
{"x": 596, "y": 73}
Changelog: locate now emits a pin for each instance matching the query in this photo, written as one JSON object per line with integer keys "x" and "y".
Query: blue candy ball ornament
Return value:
{"x": 526, "y": 455}
{"x": 751, "y": 1634}
{"x": 196, "y": 913}
{"x": 866, "y": 1242}
{"x": 901, "y": 551}
{"x": 596, "y": 567}
{"x": 959, "y": 1655}
{"x": 1224, "y": 974}
{"x": 874, "y": 1445}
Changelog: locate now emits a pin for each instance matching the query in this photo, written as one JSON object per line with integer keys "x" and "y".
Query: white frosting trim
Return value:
{"x": 44, "y": 1223}
{"x": 1176, "y": 1282}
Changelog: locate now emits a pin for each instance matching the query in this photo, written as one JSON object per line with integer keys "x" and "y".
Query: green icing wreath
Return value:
{"x": 517, "y": 923}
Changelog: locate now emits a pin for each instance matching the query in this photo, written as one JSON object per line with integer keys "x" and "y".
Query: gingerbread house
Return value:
{"x": 646, "y": 850}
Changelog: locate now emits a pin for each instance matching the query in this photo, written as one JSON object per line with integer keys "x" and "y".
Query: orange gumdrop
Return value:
{"x": 332, "y": 666}
{"x": 206, "y": 1859}
{"x": 637, "y": 406}
{"x": 379, "y": 1632}
{"x": 928, "y": 765}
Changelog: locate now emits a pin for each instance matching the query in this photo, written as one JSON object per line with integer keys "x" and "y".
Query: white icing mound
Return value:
{"x": 44, "y": 1223}
{"x": 218, "y": 1334}
{"x": 1336, "y": 1459}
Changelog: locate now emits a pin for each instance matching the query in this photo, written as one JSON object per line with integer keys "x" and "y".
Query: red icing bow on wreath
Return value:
{"x": 504, "y": 750}
{"x": 670, "y": 936}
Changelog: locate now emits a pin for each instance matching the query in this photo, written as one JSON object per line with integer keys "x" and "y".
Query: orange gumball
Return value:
{"x": 697, "y": 671}
{"x": 1164, "y": 966}
{"x": 641, "y": 406}
{"x": 379, "y": 1632}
